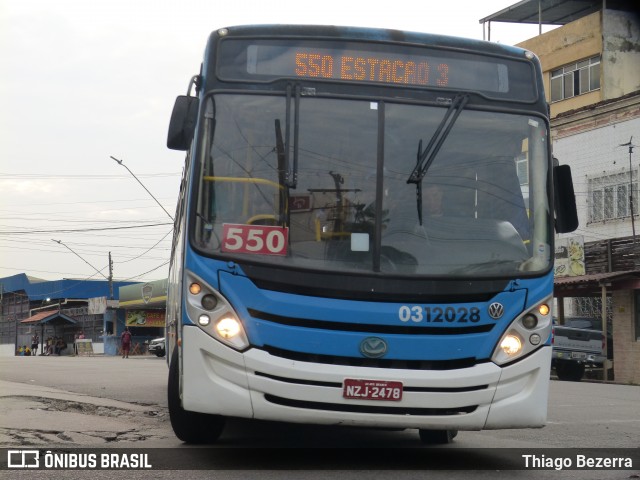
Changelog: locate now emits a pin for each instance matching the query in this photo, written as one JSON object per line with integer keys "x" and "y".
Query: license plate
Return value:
{"x": 358, "y": 389}
{"x": 579, "y": 355}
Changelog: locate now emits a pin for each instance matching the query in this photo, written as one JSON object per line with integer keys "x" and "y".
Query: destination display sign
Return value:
{"x": 265, "y": 60}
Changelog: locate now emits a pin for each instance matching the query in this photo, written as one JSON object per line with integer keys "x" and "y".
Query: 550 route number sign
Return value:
{"x": 255, "y": 239}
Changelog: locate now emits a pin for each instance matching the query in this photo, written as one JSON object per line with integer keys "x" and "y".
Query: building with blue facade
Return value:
{"x": 56, "y": 309}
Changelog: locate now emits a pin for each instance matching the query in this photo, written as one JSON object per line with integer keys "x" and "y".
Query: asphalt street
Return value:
{"x": 110, "y": 402}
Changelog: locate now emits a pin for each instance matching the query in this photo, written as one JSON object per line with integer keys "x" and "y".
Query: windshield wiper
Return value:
{"x": 293, "y": 179}
{"x": 425, "y": 158}
{"x": 283, "y": 169}
{"x": 287, "y": 178}
{"x": 290, "y": 178}
{"x": 492, "y": 266}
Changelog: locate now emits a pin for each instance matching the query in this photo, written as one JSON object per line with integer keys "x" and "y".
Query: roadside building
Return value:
{"x": 58, "y": 308}
{"x": 142, "y": 310}
{"x": 591, "y": 68}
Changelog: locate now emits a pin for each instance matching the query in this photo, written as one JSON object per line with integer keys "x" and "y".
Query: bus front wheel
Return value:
{"x": 190, "y": 427}
{"x": 437, "y": 437}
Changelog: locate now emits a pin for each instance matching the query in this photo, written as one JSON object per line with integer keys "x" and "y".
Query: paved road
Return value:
{"x": 112, "y": 402}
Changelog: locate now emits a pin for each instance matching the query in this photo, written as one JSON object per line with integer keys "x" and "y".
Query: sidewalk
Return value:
{"x": 38, "y": 415}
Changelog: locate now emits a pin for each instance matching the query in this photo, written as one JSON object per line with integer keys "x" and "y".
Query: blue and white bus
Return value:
{"x": 364, "y": 234}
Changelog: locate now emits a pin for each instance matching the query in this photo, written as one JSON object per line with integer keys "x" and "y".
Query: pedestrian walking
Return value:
{"x": 126, "y": 342}
{"x": 35, "y": 340}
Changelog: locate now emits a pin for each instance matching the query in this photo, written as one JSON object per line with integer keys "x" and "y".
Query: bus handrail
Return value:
{"x": 262, "y": 181}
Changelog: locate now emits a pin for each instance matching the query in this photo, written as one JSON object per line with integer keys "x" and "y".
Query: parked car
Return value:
{"x": 157, "y": 347}
{"x": 577, "y": 344}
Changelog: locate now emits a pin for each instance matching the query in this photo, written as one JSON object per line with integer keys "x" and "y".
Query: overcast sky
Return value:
{"x": 83, "y": 80}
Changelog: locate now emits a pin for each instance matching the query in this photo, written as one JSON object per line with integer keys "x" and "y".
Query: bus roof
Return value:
{"x": 370, "y": 34}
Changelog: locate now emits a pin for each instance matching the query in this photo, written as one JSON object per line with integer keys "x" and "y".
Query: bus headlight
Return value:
{"x": 511, "y": 345}
{"x": 228, "y": 327}
{"x": 527, "y": 333}
{"x": 211, "y": 311}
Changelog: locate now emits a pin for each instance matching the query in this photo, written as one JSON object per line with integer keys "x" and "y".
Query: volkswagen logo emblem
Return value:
{"x": 373, "y": 347}
{"x": 496, "y": 310}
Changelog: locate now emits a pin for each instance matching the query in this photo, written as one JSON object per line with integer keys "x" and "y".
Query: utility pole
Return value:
{"x": 108, "y": 319}
{"x": 633, "y": 222}
{"x": 110, "y": 277}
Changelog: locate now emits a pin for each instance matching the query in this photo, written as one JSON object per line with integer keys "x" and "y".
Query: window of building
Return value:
{"x": 575, "y": 79}
{"x": 609, "y": 196}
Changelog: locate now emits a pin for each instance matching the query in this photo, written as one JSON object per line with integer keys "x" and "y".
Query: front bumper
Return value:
{"x": 255, "y": 384}
{"x": 577, "y": 356}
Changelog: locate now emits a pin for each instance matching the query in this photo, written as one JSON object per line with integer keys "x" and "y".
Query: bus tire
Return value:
{"x": 570, "y": 371}
{"x": 437, "y": 437}
{"x": 190, "y": 427}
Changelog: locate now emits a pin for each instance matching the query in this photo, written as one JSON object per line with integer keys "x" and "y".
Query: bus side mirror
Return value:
{"x": 564, "y": 200}
{"x": 183, "y": 123}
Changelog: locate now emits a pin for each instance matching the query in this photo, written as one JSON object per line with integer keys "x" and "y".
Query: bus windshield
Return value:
{"x": 330, "y": 184}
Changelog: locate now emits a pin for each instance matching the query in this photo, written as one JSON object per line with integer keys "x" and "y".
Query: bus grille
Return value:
{"x": 373, "y": 409}
{"x": 372, "y": 362}
{"x": 317, "y": 383}
{"x": 369, "y": 328}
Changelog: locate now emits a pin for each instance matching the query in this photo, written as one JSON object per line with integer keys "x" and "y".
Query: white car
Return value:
{"x": 156, "y": 346}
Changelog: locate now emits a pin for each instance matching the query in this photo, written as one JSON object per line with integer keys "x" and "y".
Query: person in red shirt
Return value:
{"x": 126, "y": 342}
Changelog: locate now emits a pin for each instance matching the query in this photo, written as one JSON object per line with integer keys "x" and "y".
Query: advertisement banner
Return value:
{"x": 97, "y": 305}
{"x": 569, "y": 257}
{"x": 145, "y": 318}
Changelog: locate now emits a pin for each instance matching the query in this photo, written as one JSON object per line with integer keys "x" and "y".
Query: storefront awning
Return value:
{"x": 51, "y": 317}
{"x": 550, "y": 12}
{"x": 591, "y": 285}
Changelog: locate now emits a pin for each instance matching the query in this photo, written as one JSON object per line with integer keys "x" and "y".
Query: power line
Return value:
{"x": 121, "y": 162}
{"x": 67, "y": 230}
{"x": 23, "y": 204}
{"x": 60, "y": 243}
{"x": 149, "y": 249}
{"x": 84, "y": 177}
{"x": 152, "y": 270}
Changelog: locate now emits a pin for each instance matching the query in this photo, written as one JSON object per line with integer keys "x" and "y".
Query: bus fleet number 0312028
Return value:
{"x": 438, "y": 314}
